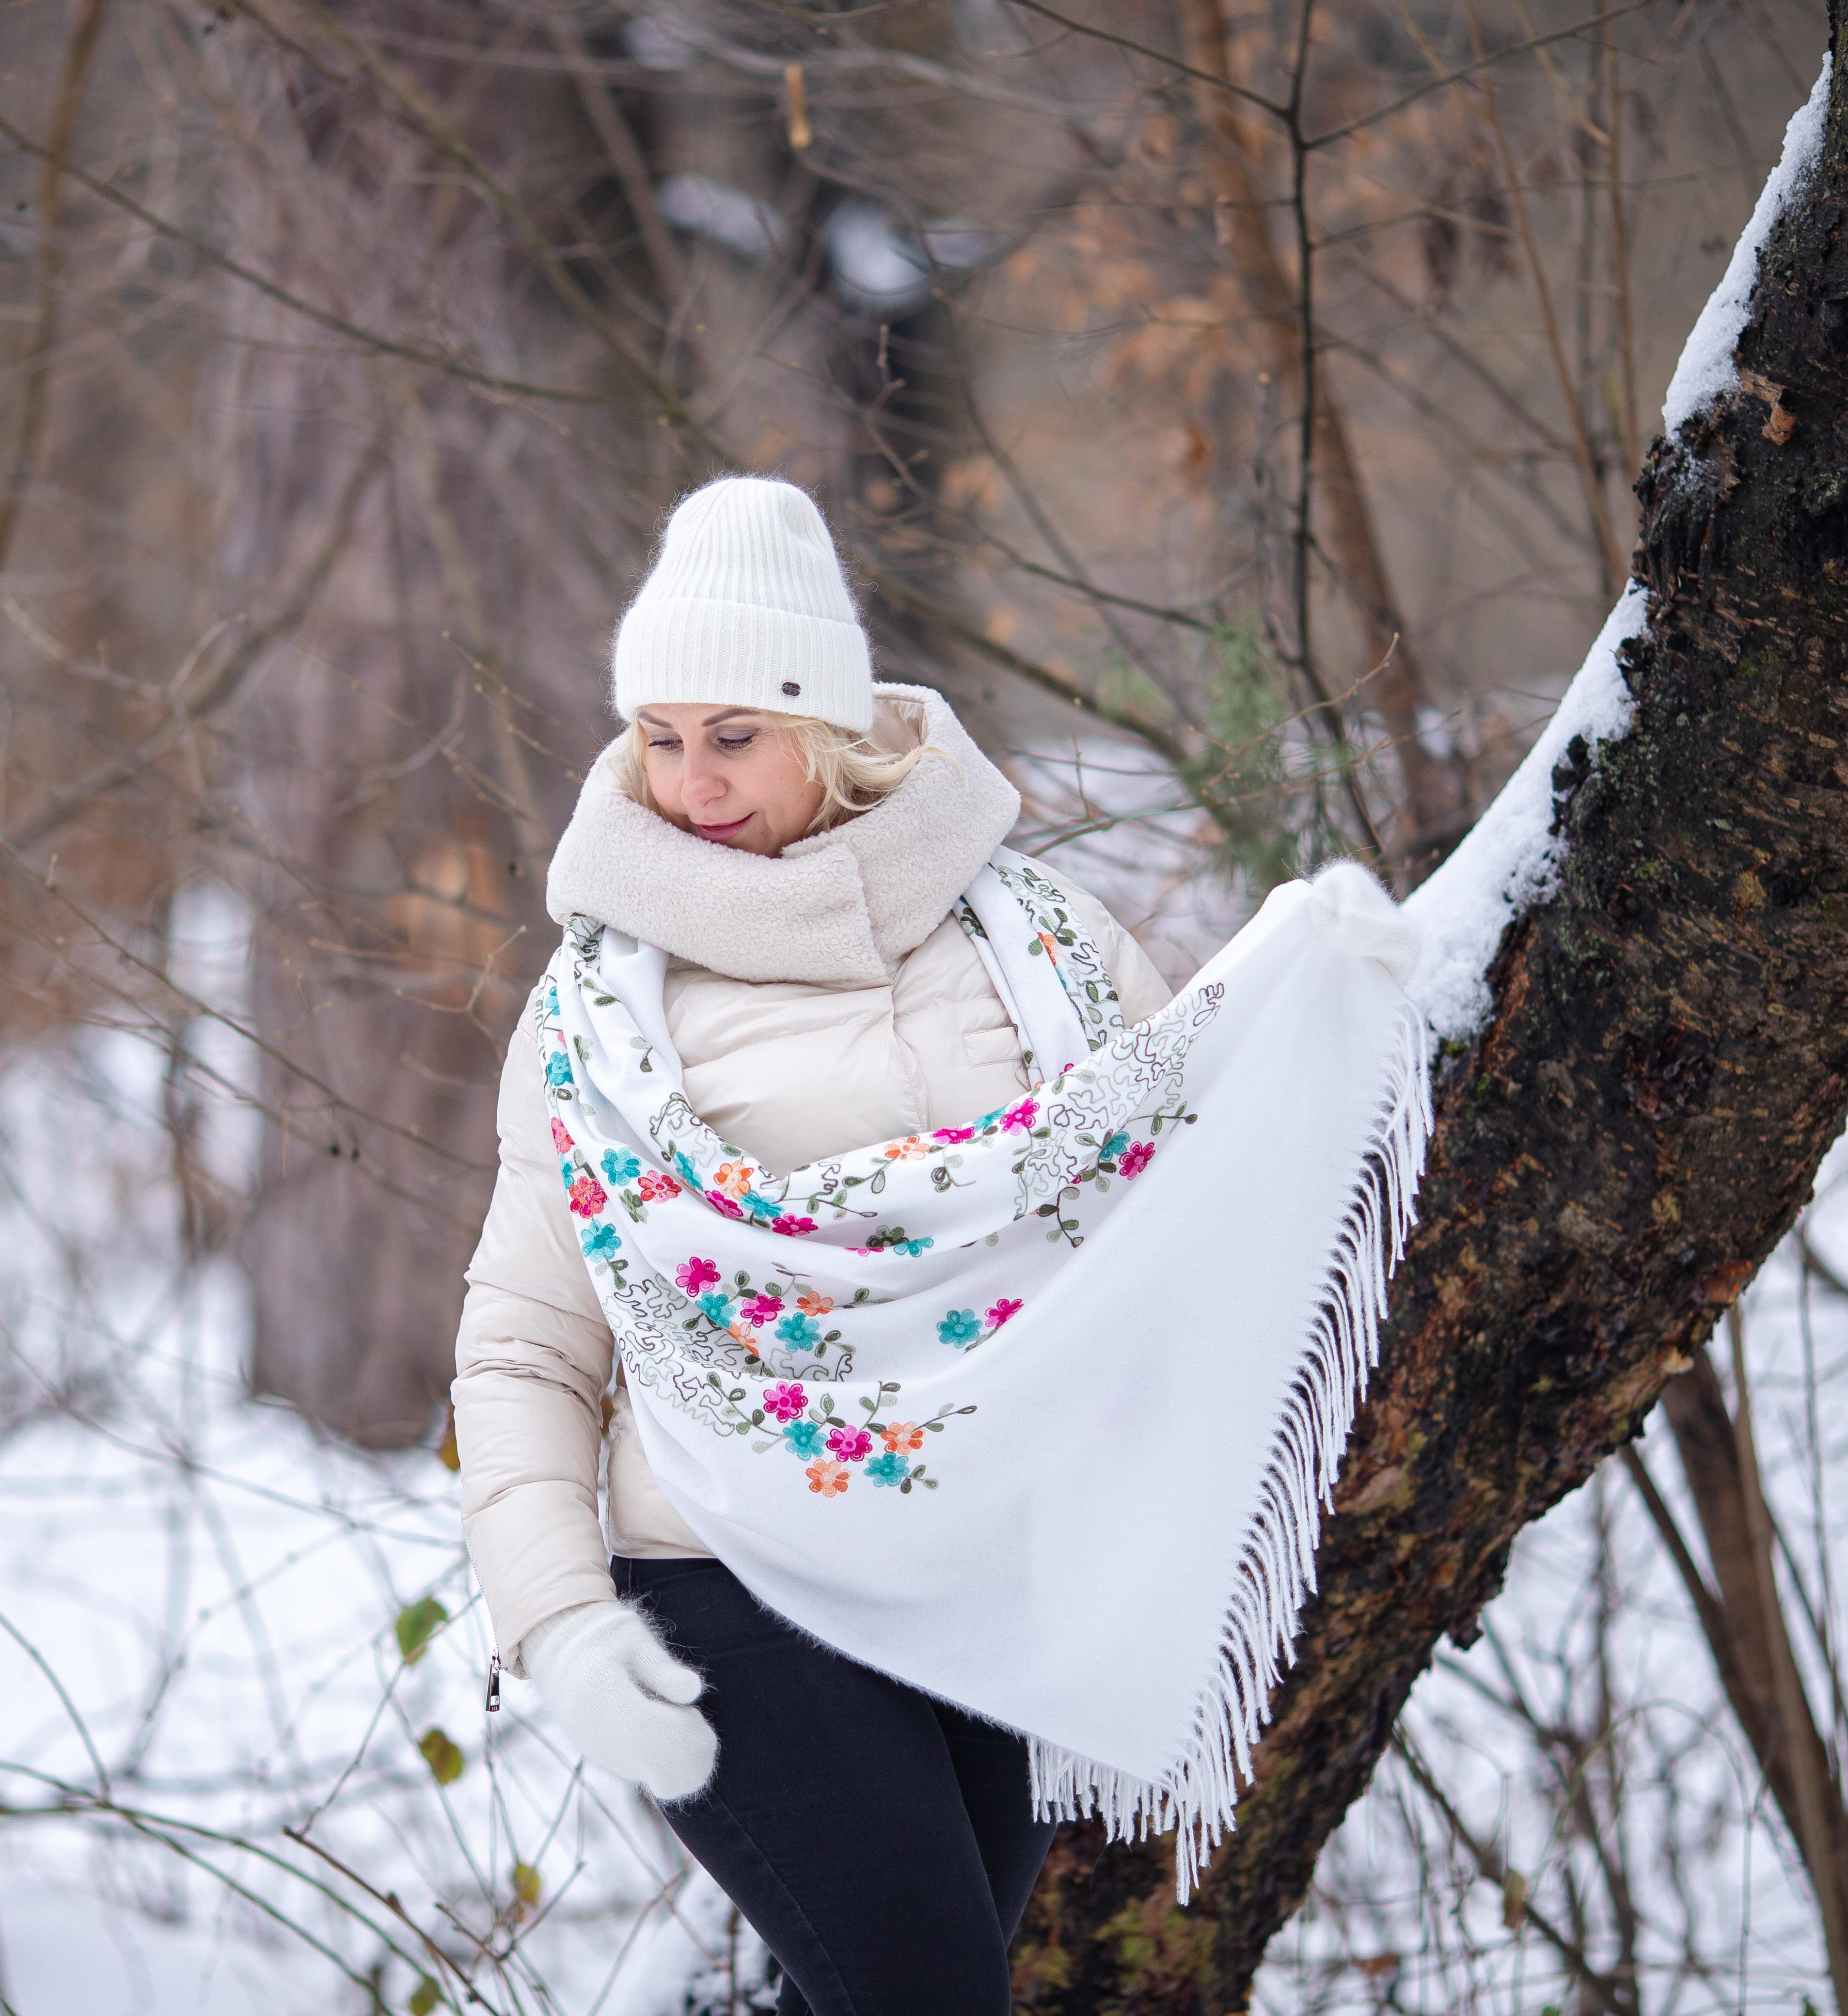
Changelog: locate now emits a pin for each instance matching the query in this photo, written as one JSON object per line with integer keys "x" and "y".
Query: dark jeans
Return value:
{"x": 882, "y": 1844}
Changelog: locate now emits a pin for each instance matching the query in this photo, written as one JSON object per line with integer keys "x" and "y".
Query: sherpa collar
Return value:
{"x": 845, "y": 906}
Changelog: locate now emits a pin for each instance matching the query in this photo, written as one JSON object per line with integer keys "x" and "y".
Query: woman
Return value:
{"x": 796, "y": 840}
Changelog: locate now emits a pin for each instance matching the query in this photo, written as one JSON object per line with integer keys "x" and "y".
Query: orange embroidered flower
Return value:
{"x": 1052, "y": 948}
{"x": 909, "y": 1150}
{"x": 901, "y": 1437}
{"x": 733, "y": 1178}
{"x": 742, "y": 1334}
{"x": 812, "y": 1305}
{"x": 831, "y": 1479}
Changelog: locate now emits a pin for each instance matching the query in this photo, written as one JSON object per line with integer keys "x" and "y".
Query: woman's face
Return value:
{"x": 724, "y": 773}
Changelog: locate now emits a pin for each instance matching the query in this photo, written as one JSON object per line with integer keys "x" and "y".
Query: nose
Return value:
{"x": 702, "y": 783}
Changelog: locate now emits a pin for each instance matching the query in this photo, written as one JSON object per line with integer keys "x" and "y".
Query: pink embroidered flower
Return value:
{"x": 901, "y": 1437}
{"x": 757, "y": 1310}
{"x": 696, "y": 1274}
{"x": 954, "y": 1134}
{"x": 813, "y": 1303}
{"x": 723, "y": 1204}
{"x": 909, "y": 1150}
{"x": 654, "y": 1185}
{"x": 792, "y": 1227}
{"x": 850, "y": 1445}
{"x": 829, "y": 1479}
{"x": 589, "y": 1197}
{"x": 1002, "y": 1309}
{"x": 560, "y": 1140}
{"x": 733, "y": 1177}
{"x": 1136, "y": 1158}
{"x": 785, "y": 1402}
{"x": 1022, "y": 1115}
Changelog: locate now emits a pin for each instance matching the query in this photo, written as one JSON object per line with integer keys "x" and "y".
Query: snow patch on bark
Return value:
{"x": 1706, "y": 370}
{"x": 1509, "y": 858}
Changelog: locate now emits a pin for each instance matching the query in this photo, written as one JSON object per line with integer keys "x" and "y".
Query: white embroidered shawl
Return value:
{"x": 929, "y": 1399}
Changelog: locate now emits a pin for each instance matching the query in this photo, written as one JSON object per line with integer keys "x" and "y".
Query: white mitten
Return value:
{"x": 621, "y": 1697}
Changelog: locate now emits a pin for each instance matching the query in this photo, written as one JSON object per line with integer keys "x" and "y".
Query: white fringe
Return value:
{"x": 1277, "y": 1567}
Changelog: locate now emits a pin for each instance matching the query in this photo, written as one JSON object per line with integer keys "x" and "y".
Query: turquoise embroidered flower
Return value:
{"x": 960, "y": 1327}
{"x": 716, "y": 1308}
{"x": 600, "y": 1242}
{"x": 759, "y": 1207}
{"x": 621, "y": 1166}
{"x": 803, "y": 1439}
{"x": 1113, "y": 1147}
{"x": 800, "y": 1333}
{"x": 689, "y": 1175}
{"x": 551, "y": 1000}
{"x": 913, "y": 1247}
{"x": 558, "y": 1069}
{"x": 887, "y": 1468}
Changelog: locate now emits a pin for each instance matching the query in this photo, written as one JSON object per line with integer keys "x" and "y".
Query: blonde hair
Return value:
{"x": 854, "y": 773}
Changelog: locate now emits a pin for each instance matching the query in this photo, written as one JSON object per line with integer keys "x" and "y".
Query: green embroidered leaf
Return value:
{"x": 417, "y": 1624}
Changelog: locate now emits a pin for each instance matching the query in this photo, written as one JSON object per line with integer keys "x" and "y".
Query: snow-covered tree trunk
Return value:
{"x": 1630, "y": 1109}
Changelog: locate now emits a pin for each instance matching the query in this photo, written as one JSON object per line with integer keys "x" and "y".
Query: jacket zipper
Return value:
{"x": 493, "y": 1701}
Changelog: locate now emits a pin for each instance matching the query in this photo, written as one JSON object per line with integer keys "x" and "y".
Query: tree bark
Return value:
{"x": 1614, "y": 1155}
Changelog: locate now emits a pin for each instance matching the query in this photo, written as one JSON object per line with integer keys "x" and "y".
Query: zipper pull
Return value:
{"x": 493, "y": 1702}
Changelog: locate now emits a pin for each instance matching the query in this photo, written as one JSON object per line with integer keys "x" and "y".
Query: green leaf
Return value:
{"x": 441, "y": 1755}
{"x": 417, "y": 1624}
{"x": 424, "y": 1997}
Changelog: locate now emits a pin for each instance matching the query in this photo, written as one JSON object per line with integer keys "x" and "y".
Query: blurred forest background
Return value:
{"x": 1233, "y": 408}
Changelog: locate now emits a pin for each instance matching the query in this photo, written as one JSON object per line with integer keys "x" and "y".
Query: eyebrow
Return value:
{"x": 710, "y": 721}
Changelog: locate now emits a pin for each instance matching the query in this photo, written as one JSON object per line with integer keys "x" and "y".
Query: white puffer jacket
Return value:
{"x": 819, "y": 1001}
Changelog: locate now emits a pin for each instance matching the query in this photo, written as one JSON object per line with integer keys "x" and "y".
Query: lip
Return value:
{"x": 728, "y": 831}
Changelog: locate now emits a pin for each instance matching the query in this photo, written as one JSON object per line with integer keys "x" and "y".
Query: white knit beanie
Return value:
{"x": 747, "y": 606}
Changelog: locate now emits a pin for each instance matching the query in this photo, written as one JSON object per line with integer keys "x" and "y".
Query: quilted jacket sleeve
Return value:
{"x": 533, "y": 1358}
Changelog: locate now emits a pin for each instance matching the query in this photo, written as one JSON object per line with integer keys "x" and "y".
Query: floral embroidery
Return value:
{"x": 600, "y": 1242}
{"x": 901, "y": 1437}
{"x": 587, "y": 1196}
{"x": 1017, "y": 1118}
{"x": 802, "y": 1439}
{"x": 911, "y": 1149}
{"x": 891, "y": 1238}
{"x": 620, "y": 1166}
{"x": 656, "y": 1184}
{"x": 560, "y": 1140}
{"x": 960, "y": 1327}
{"x": 733, "y": 1178}
{"x": 1136, "y": 1159}
{"x": 798, "y": 1228}
{"x": 1051, "y": 945}
{"x": 849, "y": 1445}
{"x": 760, "y": 1309}
{"x": 695, "y": 1274}
{"x": 831, "y": 1479}
{"x": 785, "y": 1402}
{"x": 814, "y": 1304}
{"x": 888, "y": 1469}
{"x": 716, "y": 1308}
{"x": 558, "y": 1069}
{"x": 800, "y": 1333}
{"x": 1002, "y": 1311}
{"x": 954, "y": 1134}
